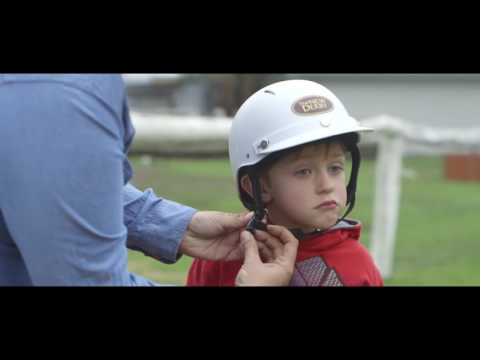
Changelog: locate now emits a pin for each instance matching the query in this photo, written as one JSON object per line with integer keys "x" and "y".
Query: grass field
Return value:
{"x": 437, "y": 237}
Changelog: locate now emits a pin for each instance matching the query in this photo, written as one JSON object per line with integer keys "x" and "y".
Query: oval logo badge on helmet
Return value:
{"x": 312, "y": 105}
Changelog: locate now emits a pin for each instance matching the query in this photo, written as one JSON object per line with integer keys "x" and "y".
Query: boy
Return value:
{"x": 288, "y": 147}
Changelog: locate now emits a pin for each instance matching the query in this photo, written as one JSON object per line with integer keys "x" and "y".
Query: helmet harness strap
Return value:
{"x": 259, "y": 211}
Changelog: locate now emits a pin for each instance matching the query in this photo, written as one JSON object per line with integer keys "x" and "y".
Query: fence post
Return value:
{"x": 386, "y": 200}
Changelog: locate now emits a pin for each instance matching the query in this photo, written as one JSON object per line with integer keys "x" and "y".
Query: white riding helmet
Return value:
{"x": 284, "y": 115}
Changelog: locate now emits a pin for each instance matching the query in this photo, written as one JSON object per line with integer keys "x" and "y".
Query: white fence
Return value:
{"x": 170, "y": 134}
{"x": 394, "y": 138}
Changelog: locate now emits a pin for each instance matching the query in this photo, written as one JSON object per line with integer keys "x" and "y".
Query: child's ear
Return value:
{"x": 246, "y": 185}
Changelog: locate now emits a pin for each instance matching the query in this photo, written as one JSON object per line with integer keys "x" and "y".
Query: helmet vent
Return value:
{"x": 269, "y": 92}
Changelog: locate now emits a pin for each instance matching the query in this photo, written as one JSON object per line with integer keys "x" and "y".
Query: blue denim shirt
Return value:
{"x": 68, "y": 211}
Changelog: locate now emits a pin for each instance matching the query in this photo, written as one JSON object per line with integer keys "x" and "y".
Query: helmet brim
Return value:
{"x": 306, "y": 137}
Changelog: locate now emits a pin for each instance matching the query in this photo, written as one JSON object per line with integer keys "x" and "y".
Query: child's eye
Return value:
{"x": 303, "y": 172}
{"x": 336, "y": 169}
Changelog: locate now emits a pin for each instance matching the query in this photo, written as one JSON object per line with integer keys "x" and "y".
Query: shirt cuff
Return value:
{"x": 155, "y": 226}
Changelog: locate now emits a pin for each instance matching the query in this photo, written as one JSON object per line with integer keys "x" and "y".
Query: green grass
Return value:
{"x": 437, "y": 236}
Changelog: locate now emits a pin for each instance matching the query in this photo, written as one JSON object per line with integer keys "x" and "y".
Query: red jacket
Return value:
{"x": 333, "y": 258}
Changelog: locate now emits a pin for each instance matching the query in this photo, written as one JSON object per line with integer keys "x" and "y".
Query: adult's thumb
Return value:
{"x": 250, "y": 248}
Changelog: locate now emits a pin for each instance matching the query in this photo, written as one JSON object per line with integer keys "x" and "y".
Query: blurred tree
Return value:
{"x": 229, "y": 91}
{"x": 204, "y": 94}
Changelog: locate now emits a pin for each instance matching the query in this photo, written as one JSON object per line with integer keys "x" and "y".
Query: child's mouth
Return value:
{"x": 327, "y": 205}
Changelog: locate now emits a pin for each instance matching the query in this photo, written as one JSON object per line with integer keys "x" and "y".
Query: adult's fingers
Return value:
{"x": 266, "y": 254}
{"x": 286, "y": 237}
{"x": 233, "y": 222}
{"x": 280, "y": 232}
{"x": 250, "y": 247}
{"x": 270, "y": 242}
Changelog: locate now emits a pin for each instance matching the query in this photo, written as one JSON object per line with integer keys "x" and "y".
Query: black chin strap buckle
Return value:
{"x": 256, "y": 224}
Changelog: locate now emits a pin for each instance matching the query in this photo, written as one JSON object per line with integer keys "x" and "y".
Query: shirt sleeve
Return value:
{"x": 155, "y": 225}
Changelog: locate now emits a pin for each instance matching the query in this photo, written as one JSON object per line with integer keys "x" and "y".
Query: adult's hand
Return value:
{"x": 213, "y": 235}
{"x": 277, "y": 270}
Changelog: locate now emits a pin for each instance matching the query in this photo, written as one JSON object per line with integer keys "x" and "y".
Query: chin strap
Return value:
{"x": 352, "y": 184}
{"x": 300, "y": 234}
{"x": 256, "y": 222}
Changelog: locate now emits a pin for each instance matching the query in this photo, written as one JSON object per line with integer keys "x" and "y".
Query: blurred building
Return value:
{"x": 446, "y": 100}
{"x": 450, "y": 100}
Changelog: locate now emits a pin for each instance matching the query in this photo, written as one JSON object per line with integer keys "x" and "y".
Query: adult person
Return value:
{"x": 68, "y": 211}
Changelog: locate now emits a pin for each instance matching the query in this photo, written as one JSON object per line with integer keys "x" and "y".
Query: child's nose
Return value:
{"x": 323, "y": 182}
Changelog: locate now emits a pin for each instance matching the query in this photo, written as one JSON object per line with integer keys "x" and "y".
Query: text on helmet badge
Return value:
{"x": 312, "y": 105}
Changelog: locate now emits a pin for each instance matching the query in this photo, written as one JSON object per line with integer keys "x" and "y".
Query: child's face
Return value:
{"x": 306, "y": 189}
